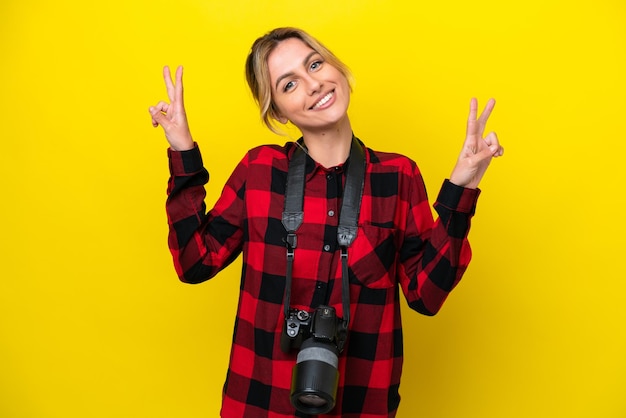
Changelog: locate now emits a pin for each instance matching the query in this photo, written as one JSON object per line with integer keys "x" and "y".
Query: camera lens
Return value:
{"x": 312, "y": 400}
{"x": 315, "y": 378}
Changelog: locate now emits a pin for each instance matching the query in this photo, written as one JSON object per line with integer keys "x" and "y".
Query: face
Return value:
{"x": 307, "y": 91}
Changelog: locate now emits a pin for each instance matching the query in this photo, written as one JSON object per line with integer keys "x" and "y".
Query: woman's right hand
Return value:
{"x": 171, "y": 116}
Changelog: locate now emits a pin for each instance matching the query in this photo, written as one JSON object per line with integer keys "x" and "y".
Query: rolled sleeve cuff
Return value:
{"x": 185, "y": 162}
{"x": 457, "y": 198}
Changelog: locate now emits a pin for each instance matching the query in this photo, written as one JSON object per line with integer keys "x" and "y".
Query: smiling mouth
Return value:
{"x": 323, "y": 100}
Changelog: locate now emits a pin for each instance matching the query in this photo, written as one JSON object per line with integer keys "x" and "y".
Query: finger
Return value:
{"x": 169, "y": 84}
{"x": 492, "y": 139}
{"x": 485, "y": 155}
{"x": 484, "y": 116}
{"x": 162, "y": 107}
{"x": 179, "y": 84}
{"x": 494, "y": 144}
{"x": 151, "y": 111}
{"x": 472, "y": 126}
{"x": 473, "y": 110}
{"x": 158, "y": 117}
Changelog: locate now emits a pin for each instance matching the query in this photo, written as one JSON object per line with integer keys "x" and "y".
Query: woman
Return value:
{"x": 397, "y": 245}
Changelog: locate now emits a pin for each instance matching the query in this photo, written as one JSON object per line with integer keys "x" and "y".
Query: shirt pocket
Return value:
{"x": 372, "y": 257}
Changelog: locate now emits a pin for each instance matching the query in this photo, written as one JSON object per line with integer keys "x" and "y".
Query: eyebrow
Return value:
{"x": 306, "y": 59}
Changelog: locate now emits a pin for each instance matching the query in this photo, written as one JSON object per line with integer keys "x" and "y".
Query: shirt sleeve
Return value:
{"x": 202, "y": 243}
{"x": 434, "y": 255}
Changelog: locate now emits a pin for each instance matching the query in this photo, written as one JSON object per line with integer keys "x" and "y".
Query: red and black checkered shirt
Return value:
{"x": 398, "y": 247}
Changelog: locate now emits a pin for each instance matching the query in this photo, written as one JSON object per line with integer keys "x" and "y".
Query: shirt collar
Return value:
{"x": 313, "y": 166}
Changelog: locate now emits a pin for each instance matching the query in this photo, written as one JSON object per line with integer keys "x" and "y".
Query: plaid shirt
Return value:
{"x": 398, "y": 247}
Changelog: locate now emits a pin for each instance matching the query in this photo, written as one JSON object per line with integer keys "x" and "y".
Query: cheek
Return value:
{"x": 345, "y": 83}
{"x": 289, "y": 103}
{"x": 284, "y": 109}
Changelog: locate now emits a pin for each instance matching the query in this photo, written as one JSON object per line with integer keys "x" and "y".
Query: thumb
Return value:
{"x": 158, "y": 118}
{"x": 486, "y": 154}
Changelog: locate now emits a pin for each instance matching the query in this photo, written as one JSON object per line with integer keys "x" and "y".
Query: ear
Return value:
{"x": 282, "y": 119}
{"x": 275, "y": 113}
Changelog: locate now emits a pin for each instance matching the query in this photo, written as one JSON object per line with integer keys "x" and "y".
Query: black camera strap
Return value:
{"x": 293, "y": 216}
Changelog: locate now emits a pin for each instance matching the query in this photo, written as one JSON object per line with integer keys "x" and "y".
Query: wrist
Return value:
{"x": 469, "y": 185}
{"x": 182, "y": 144}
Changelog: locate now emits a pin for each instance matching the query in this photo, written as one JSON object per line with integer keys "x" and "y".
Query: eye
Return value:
{"x": 315, "y": 65}
{"x": 288, "y": 85}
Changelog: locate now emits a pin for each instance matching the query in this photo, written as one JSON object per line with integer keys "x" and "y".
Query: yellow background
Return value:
{"x": 93, "y": 321}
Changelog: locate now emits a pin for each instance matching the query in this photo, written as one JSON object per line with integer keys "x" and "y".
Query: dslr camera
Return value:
{"x": 320, "y": 337}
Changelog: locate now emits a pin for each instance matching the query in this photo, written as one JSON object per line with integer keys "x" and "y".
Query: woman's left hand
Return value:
{"x": 477, "y": 151}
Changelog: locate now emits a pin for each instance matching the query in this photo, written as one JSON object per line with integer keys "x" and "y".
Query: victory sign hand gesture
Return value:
{"x": 171, "y": 116}
{"x": 477, "y": 151}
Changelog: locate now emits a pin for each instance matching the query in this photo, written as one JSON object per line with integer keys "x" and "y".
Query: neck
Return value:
{"x": 330, "y": 147}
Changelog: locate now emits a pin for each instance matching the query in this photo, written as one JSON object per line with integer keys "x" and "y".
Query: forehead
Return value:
{"x": 287, "y": 56}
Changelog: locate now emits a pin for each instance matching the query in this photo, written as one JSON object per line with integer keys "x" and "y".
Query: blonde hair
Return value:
{"x": 258, "y": 74}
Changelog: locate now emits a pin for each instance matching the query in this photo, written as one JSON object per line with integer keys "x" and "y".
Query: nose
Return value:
{"x": 313, "y": 85}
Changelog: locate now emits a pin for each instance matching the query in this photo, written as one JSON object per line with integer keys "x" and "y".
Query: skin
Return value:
{"x": 477, "y": 151}
{"x": 171, "y": 116}
{"x": 300, "y": 79}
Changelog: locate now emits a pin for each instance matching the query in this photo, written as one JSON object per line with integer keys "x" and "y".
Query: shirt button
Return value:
{"x": 329, "y": 176}
{"x": 326, "y": 247}
{"x": 331, "y": 213}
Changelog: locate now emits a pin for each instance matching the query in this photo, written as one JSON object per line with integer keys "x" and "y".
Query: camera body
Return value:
{"x": 320, "y": 337}
{"x": 322, "y": 325}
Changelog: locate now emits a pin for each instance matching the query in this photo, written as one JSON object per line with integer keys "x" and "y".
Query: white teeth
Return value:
{"x": 324, "y": 100}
